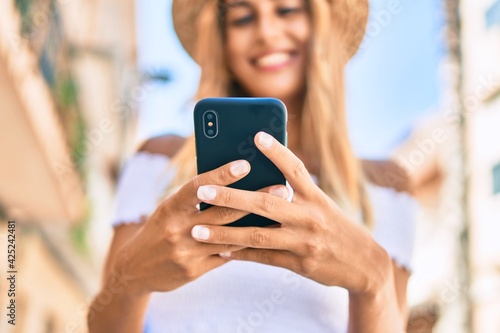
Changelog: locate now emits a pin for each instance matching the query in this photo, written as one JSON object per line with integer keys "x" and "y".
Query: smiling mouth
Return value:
{"x": 274, "y": 60}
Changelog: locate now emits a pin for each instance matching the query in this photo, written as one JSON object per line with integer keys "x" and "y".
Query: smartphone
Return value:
{"x": 224, "y": 131}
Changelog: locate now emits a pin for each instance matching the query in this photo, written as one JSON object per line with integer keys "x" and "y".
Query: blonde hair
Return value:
{"x": 323, "y": 124}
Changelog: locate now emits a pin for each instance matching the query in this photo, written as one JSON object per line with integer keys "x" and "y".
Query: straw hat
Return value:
{"x": 351, "y": 19}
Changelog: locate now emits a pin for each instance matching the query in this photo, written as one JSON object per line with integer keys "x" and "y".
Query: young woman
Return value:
{"x": 172, "y": 268}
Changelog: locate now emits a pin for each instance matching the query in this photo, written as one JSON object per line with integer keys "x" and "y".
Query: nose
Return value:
{"x": 268, "y": 29}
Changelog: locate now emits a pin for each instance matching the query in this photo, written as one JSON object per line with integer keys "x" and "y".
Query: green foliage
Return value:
{"x": 67, "y": 92}
{"x": 78, "y": 144}
{"x": 66, "y": 95}
{"x": 23, "y": 6}
{"x": 79, "y": 234}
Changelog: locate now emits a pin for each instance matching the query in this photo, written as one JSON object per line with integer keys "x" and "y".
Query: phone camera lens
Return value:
{"x": 210, "y": 124}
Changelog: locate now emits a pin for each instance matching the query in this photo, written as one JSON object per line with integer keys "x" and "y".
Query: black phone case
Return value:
{"x": 238, "y": 120}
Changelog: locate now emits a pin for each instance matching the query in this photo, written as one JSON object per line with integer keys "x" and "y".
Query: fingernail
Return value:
{"x": 265, "y": 140}
{"x": 239, "y": 168}
{"x": 281, "y": 192}
{"x": 206, "y": 192}
{"x": 200, "y": 232}
{"x": 225, "y": 255}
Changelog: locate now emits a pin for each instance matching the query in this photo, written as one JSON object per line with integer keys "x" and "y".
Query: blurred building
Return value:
{"x": 455, "y": 159}
{"x": 481, "y": 100}
{"x": 34, "y": 137}
{"x": 68, "y": 91}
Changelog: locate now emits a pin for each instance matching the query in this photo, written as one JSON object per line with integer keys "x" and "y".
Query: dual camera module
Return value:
{"x": 210, "y": 124}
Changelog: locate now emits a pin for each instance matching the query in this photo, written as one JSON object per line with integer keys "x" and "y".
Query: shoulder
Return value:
{"x": 143, "y": 179}
{"x": 166, "y": 145}
{"x": 387, "y": 174}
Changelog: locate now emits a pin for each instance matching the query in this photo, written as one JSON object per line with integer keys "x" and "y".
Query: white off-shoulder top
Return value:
{"x": 247, "y": 297}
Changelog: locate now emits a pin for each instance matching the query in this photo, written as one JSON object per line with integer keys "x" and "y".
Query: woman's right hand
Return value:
{"x": 163, "y": 255}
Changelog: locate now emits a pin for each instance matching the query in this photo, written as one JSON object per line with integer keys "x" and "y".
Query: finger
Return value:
{"x": 214, "y": 249}
{"x": 262, "y": 204}
{"x": 224, "y": 175}
{"x": 290, "y": 165}
{"x": 282, "y": 259}
{"x": 254, "y": 237}
{"x": 211, "y": 262}
{"x": 220, "y": 215}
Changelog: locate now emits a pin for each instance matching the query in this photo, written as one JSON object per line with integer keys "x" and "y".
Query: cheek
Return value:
{"x": 302, "y": 31}
{"x": 235, "y": 48}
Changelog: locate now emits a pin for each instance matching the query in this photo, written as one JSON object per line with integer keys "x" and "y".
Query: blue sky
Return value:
{"x": 391, "y": 82}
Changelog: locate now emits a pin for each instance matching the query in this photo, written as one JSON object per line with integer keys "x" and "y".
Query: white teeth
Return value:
{"x": 273, "y": 59}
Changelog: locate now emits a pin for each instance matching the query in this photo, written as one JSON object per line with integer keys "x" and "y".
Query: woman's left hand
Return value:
{"x": 315, "y": 239}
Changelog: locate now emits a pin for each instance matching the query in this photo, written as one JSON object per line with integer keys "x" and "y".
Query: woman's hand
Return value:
{"x": 162, "y": 255}
{"x": 159, "y": 254}
{"x": 315, "y": 240}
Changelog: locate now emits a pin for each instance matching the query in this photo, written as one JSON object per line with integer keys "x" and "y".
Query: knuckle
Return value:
{"x": 299, "y": 169}
{"x": 172, "y": 234}
{"x": 164, "y": 209}
{"x": 225, "y": 195}
{"x": 218, "y": 235}
{"x": 225, "y": 213}
{"x": 312, "y": 249}
{"x": 266, "y": 203}
{"x": 280, "y": 151}
{"x": 179, "y": 256}
{"x": 257, "y": 239}
{"x": 225, "y": 176}
{"x": 196, "y": 182}
{"x": 314, "y": 226}
{"x": 308, "y": 266}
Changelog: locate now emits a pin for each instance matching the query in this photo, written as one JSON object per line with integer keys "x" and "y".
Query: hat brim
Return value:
{"x": 352, "y": 19}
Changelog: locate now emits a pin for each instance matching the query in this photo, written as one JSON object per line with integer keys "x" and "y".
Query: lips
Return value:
{"x": 274, "y": 60}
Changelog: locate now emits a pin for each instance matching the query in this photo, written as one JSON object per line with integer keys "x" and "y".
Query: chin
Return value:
{"x": 276, "y": 90}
